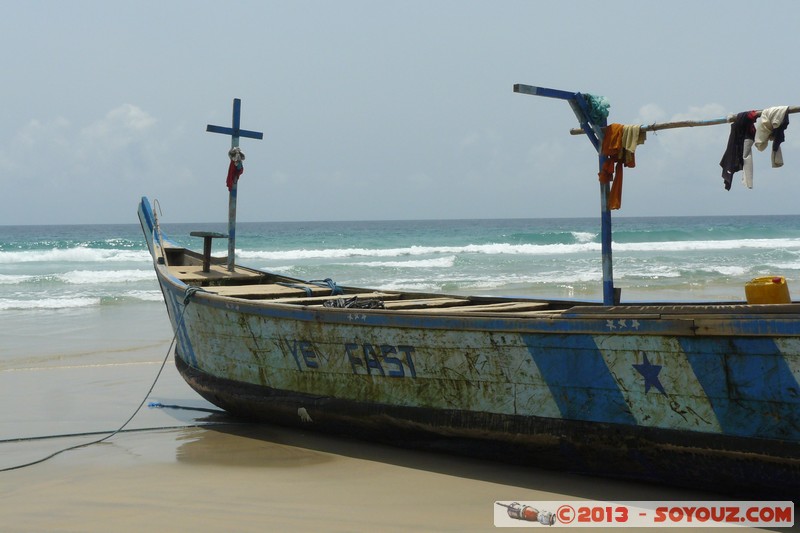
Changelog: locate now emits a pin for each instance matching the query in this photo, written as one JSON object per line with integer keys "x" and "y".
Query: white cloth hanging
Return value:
{"x": 771, "y": 118}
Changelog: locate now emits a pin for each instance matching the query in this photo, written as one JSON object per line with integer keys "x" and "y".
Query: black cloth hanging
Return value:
{"x": 743, "y": 127}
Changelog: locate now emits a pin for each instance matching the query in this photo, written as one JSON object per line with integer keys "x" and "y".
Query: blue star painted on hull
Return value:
{"x": 650, "y": 374}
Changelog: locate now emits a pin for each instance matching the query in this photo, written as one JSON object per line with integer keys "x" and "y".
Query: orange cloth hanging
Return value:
{"x": 619, "y": 146}
{"x": 615, "y": 194}
{"x": 611, "y": 147}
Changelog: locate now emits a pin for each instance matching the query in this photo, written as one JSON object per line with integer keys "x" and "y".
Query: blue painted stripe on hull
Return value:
{"x": 759, "y": 372}
{"x": 751, "y": 388}
{"x": 578, "y": 378}
{"x": 184, "y": 343}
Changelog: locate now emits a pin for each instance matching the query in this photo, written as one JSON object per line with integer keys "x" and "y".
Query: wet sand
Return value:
{"x": 185, "y": 470}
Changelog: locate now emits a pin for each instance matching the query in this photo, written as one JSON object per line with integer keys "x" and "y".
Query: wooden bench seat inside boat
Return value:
{"x": 502, "y": 307}
{"x": 439, "y": 305}
{"x": 194, "y": 275}
{"x": 269, "y": 291}
{"x": 320, "y": 300}
{"x": 426, "y": 303}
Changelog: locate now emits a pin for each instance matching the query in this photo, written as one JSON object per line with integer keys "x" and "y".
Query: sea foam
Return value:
{"x": 89, "y": 277}
{"x": 48, "y": 303}
{"x": 522, "y": 249}
{"x": 78, "y": 255}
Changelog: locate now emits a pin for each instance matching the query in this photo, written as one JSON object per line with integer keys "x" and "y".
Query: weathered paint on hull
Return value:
{"x": 630, "y": 403}
{"x": 702, "y": 397}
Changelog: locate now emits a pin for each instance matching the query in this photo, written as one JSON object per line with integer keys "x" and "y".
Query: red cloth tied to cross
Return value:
{"x": 234, "y": 171}
{"x": 236, "y": 168}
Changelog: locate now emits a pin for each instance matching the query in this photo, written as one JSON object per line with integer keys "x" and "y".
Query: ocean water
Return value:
{"x": 48, "y": 273}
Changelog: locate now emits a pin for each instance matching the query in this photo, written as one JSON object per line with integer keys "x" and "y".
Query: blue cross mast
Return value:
{"x": 235, "y": 132}
{"x": 595, "y": 134}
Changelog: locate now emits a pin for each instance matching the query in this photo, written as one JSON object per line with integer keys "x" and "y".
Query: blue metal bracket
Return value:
{"x": 594, "y": 133}
{"x": 578, "y": 104}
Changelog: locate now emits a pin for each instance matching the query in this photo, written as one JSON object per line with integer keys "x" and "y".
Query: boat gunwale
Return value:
{"x": 702, "y": 319}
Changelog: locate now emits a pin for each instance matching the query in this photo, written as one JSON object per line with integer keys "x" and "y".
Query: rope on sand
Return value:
{"x": 90, "y": 433}
{"x": 190, "y": 291}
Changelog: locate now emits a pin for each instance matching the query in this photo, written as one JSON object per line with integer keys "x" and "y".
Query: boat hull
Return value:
{"x": 646, "y": 405}
{"x": 698, "y": 396}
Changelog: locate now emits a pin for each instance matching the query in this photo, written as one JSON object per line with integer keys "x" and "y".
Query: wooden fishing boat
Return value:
{"x": 700, "y": 395}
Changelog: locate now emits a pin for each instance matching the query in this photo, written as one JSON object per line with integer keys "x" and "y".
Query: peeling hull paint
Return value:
{"x": 650, "y": 455}
{"x": 701, "y": 396}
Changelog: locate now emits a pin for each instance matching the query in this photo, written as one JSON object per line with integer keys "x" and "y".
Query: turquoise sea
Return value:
{"x": 69, "y": 268}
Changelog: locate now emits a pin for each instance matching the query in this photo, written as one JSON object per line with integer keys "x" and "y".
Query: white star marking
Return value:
{"x": 622, "y": 324}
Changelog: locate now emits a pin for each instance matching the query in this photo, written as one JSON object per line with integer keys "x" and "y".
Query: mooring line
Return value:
{"x": 189, "y": 293}
{"x": 90, "y": 433}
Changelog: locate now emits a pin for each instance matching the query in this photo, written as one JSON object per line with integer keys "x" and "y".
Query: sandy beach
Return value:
{"x": 178, "y": 469}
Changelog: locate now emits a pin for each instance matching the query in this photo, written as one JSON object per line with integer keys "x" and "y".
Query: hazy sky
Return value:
{"x": 382, "y": 109}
